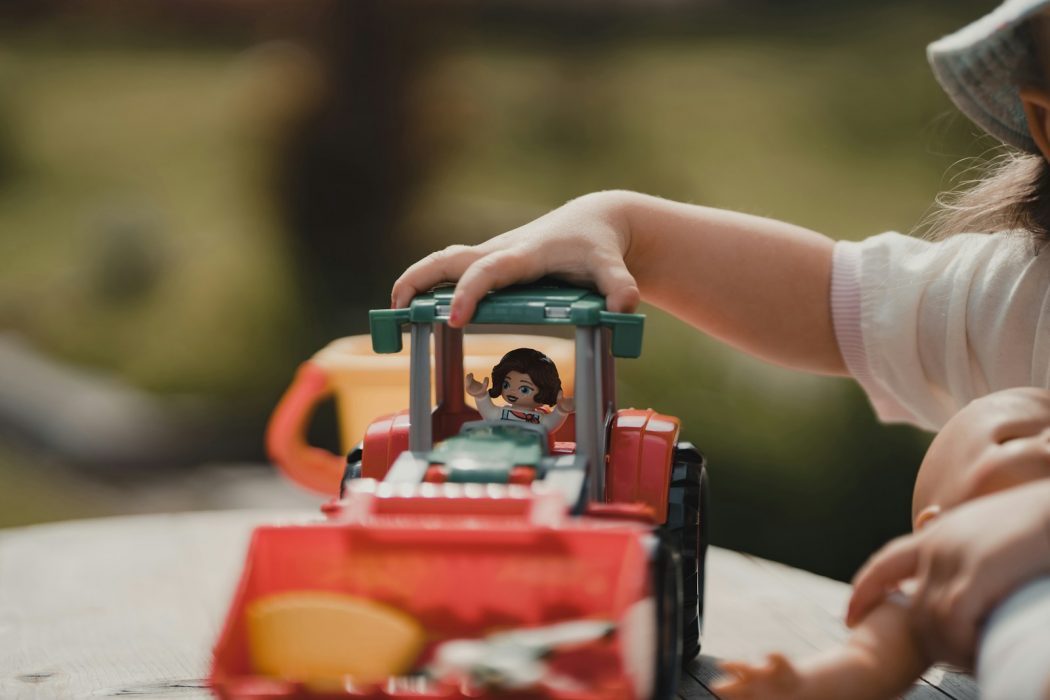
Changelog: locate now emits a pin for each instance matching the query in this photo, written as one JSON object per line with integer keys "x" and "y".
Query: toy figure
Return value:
{"x": 991, "y": 457}
{"x": 527, "y": 380}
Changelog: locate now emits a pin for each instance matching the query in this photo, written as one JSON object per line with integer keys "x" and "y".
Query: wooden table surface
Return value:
{"x": 131, "y": 606}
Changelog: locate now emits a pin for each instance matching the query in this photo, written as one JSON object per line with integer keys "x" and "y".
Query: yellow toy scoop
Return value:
{"x": 316, "y": 636}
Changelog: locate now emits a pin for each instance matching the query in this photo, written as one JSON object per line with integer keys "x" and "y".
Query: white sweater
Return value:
{"x": 926, "y": 327}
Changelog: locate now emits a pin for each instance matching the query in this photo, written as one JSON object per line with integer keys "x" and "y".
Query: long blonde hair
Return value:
{"x": 1010, "y": 193}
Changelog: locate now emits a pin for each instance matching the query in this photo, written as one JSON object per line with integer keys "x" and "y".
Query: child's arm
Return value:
{"x": 878, "y": 662}
{"x": 759, "y": 284}
{"x": 965, "y": 562}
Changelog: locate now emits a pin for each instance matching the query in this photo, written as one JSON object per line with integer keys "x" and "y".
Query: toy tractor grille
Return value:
{"x": 521, "y": 474}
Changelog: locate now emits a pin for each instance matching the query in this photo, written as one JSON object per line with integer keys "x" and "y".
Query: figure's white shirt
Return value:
{"x": 551, "y": 420}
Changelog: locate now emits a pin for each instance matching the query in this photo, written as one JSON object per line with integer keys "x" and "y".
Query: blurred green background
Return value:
{"x": 195, "y": 196}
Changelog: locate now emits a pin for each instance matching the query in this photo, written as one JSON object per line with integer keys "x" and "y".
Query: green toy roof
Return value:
{"x": 537, "y": 304}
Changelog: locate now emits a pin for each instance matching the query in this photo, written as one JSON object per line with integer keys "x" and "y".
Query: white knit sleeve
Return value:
{"x": 927, "y": 327}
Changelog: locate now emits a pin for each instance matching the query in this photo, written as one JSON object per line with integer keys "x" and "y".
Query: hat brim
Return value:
{"x": 983, "y": 66}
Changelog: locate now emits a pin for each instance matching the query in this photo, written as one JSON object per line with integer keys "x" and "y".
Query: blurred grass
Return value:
{"x": 828, "y": 119}
{"x": 842, "y": 136}
{"x": 127, "y": 158}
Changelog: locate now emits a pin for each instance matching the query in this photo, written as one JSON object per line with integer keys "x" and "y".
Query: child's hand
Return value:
{"x": 994, "y": 443}
{"x": 775, "y": 680}
{"x": 964, "y": 563}
{"x": 475, "y": 388}
{"x": 566, "y": 404}
{"x": 583, "y": 242}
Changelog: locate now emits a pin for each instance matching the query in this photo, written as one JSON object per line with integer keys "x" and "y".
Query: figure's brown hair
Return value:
{"x": 539, "y": 367}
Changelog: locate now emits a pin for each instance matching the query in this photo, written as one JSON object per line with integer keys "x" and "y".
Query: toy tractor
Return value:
{"x": 467, "y": 558}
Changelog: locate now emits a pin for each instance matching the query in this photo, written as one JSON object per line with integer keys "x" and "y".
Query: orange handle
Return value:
{"x": 313, "y": 467}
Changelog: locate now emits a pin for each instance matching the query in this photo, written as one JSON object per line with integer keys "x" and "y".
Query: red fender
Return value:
{"x": 385, "y": 439}
{"x": 641, "y": 455}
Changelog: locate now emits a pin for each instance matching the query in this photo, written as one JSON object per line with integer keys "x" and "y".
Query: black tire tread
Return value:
{"x": 686, "y": 530}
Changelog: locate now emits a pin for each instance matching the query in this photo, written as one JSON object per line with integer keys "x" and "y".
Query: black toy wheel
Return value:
{"x": 353, "y": 468}
{"x": 667, "y": 587}
{"x": 686, "y": 532}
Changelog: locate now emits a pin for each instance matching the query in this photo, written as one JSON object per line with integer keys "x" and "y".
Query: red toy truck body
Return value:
{"x": 599, "y": 524}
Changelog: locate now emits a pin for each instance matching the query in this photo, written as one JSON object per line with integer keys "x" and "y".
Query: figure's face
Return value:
{"x": 994, "y": 443}
{"x": 519, "y": 390}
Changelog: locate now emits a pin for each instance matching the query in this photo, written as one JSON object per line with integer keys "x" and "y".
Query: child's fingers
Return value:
{"x": 617, "y": 285}
{"x": 946, "y": 609}
{"x": 892, "y": 564}
{"x": 445, "y": 265}
{"x": 736, "y": 681}
{"x": 782, "y": 673}
{"x": 1017, "y": 461}
{"x": 493, "y": 271}
{"x": 779, "y": 664}
{"x": 947, "y": 619}
{"x": 736, "y": 670}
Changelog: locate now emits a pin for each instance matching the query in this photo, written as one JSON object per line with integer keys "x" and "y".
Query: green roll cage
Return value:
{"x": 601, "y": 335}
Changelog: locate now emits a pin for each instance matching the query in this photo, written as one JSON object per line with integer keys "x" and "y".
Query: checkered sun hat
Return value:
{"x": 982, "y": 65}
